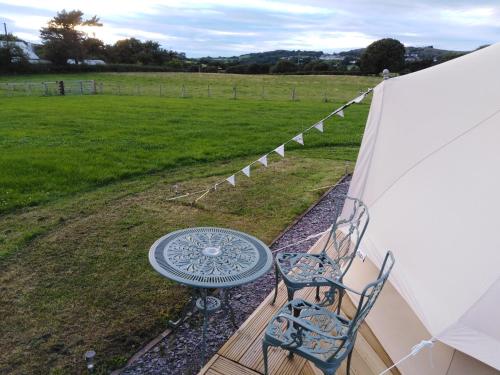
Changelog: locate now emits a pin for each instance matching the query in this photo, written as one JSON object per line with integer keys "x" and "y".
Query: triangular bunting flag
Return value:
{"x": 299, "y": 139}
{"x": 359, "y": 99}
{"x": 246, "y": 171}
{"x": 340, "y": 113}
{"x": 280, "y": 150}
{"x": 319, "y": 126}
{"x": 231, "y": 180}
{"x": 263, "y": 160}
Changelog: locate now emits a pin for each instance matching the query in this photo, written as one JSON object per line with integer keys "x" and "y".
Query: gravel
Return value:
{"x": 180, "y": 352}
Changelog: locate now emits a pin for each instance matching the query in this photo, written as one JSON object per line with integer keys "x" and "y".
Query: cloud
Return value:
{"x": 231, "y": 27}
{"x": 472, "y": 16}
{"x": 26, "y": 22}
{"x": 129, "y": 8}
{"x": 103, "y": 8}
{"x": 110, "y": 33}
{"x": 329, "y": 40}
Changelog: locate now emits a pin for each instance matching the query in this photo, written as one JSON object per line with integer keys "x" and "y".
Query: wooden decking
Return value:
{"x": 242, "y": 353}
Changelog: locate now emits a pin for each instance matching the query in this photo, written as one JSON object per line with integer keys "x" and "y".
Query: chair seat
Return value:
{"x": 311, "y": 345}
{"x": 303, "y": 269}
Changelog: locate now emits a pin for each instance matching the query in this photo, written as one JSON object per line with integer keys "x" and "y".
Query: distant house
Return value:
{"x": 87, "y": 62}
{"x": 331, "y": 57}
{"x": 28, "y": 50}
{"x": 412, "y": 57}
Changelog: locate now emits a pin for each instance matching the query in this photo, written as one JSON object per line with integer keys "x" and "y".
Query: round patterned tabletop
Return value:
{"x": 209, "y": 257}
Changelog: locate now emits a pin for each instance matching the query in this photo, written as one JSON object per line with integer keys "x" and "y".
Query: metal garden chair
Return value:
{"x": 318, "y": 334}
{"x": 300, "y": 270}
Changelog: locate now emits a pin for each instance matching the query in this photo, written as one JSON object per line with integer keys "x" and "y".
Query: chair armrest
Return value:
{"x": 309, "y": 327}
{"x": 336, "y": 284}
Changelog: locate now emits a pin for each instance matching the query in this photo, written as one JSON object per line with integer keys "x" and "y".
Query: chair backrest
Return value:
{"x": 347, "y": 232}
{"x": 370, "y": 294}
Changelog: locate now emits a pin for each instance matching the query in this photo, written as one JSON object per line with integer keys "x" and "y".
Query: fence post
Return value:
{"x": 293, "y": 94}
{"x": 81, "y": 87}
{"x": 61, "y": 88}
{"x": 183, "y": 91}
{"x": 234, "y": 92}
{"x": 101, "y": 87}
{"x": 325, "y": 98}
{"x": 46, "y": 89}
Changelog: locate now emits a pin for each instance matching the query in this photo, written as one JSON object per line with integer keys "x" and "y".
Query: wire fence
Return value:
{"x": 49, "y": 88}
{"x": 186, "y": 90}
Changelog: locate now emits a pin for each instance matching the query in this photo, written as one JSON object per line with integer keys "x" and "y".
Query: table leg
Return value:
{"x": 204, "y": 293}
{"x": 228, "y": 307}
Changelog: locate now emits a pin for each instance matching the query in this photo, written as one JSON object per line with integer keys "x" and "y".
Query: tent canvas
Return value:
{"x": 429, "y": 172}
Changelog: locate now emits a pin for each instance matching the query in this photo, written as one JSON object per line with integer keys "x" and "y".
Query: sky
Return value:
{"x": 235, "y": 27}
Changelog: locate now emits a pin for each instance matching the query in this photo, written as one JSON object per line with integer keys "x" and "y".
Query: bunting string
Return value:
{"x": 280, "y": 150}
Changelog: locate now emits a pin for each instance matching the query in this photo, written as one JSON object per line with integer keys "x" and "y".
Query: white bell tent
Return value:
{"x": 429, "y": 172}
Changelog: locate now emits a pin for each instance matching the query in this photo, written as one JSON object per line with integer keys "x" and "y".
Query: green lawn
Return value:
{"x": 54, "y": 146}
{"x": 196, "y": 85}
{"x": 83, "y": 195}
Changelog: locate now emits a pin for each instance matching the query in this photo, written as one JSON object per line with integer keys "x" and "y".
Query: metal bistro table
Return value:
{"x": 207, "y": 258}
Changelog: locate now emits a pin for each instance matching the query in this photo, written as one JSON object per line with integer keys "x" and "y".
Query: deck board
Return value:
{"x": 242, "y": 353}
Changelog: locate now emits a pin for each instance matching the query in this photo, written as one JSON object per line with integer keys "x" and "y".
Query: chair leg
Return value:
{"x": 339, "y": 305}
{"x": 290, "y": 292}
{"x": 317, "y": 293}
{"x": 276, "y": 275}
{"x": 265, "y": 346}
{"x": 349, "y": 362}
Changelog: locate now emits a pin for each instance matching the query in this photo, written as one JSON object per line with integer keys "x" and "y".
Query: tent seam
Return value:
{"x": 384, "y": 83}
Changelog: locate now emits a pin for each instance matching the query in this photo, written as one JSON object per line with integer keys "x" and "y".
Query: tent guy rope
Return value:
{"x": 413, "y": 352}
{"x": 280, "y": 150}
{"x": 310, "y": 237}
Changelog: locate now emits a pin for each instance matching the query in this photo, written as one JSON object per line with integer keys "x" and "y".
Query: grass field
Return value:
{"x": 83, "y": 195}
{"x": 195, "y": 85}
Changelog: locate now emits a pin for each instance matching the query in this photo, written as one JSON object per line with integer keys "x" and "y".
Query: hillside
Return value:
{"x": 271, "y": 57}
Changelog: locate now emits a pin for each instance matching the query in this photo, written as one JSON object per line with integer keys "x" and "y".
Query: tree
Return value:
{"x": 133, "y": 51}
{"x": 237, "y": 69}
{"x": 126, "y": 51}
{"x": 61, "y": 38}
{"x": 450, "y": 56}
{"x": 93, "y": 48}
{"x": 384, "y": 53}
{"x": 284, "y": 66}
{"x": 414, "y": 66}
{"x": 482, "y": 46}
{"x": 9, "y": 38}
{"x": 258, "y": 68}
{"x": 152, "y": 53}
